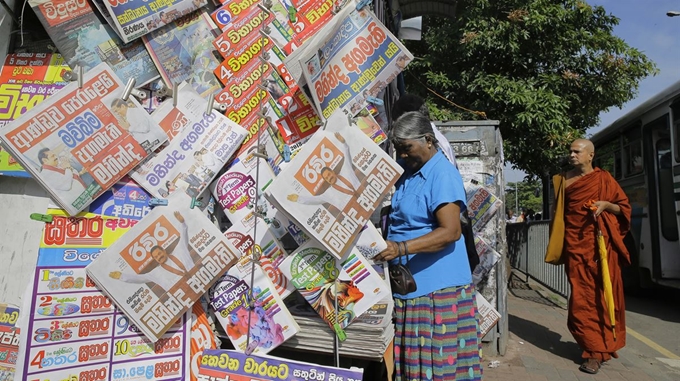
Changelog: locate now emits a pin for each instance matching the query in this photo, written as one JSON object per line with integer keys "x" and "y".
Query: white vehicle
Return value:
{"x": 642, "y": 151}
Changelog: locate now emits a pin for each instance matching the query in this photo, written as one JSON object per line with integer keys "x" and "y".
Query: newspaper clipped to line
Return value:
{"x": 487, "y": 259}
{"x": 334, "y": 184}
{"x": 162, "y": 266}
{"x": 488, "y": 316}
{"x": 353, "y": 57}
{"x": 481, "y": 205}
{"x": 81, "y": 141}
{"x": 192, "y": 159}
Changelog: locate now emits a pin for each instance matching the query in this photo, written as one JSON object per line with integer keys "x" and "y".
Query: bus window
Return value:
{"x": 608, "y": 158}
{"x": 669, "y": 222}
{"x": 676, "y": 129}
{"x": 632, "y": 148}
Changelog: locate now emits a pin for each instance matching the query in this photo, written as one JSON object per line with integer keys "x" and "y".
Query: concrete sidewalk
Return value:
{"x": 541, "y": 348}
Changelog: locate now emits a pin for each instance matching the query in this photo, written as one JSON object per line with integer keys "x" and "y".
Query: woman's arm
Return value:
{"x": 448, "y": 231}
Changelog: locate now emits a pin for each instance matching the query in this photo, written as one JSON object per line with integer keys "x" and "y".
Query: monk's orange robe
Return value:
{"x": 588, "y": 320}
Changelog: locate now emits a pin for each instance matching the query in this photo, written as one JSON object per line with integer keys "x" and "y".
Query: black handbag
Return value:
{"x": 469, "y": 236}
{"x": 401, "y": 279}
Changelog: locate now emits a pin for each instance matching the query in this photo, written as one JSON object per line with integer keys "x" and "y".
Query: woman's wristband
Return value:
{"x": 399, "y": 252}
{"x": 405, "y": 248}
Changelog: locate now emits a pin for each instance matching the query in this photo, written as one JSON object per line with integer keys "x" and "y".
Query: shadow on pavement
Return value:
{"x": 544, "y": 338}
{"x": 661, "y": 303}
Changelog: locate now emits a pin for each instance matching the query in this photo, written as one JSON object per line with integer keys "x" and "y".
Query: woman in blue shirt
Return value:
{"x": 437, "y": 336}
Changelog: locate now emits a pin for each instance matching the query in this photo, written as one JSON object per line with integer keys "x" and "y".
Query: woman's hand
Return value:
{"x": 388, "y": 254}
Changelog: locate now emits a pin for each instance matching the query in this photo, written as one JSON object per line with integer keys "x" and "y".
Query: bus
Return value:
{"x": 642, "y": 151}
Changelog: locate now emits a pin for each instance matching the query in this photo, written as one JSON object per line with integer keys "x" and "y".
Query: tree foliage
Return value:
{"x": 528, "y": 196}
{"x": 544, "y": 68}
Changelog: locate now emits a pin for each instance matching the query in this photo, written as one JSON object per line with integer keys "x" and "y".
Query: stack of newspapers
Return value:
{"x": 367, "y": 337}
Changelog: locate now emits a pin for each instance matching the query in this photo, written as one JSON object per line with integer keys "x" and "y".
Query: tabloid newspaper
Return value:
{"x": 236, "y": 192}
{"x": 270, "y": 249}
{"x": 161, "y": 267}
{"x": 26, "y": 79}
{"x": 481, "y": 205}
{"x": 10, "y": 335}
{"x": 80, "y": 141}
{"x": 125, "y": 199}
{"x": 74, "y": 330}
{"x": 85, "y": 41}
{"x": 268, "y": 322}
{"x": 334, "y": 184}
{"x": 319, "y": 277}
{"x": 353, "y": 57}
{"x": 202, "y": 337}
{"x": 196, "y": 154}
{"x": 134, "y": 18}
{"x": 183, "y": 51}
{"x": 488, "y": 316}
{"x": 234, "y": 366}
{"x": 487, "y": 259}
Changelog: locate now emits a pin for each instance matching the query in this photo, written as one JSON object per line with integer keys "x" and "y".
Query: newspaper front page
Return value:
{"x": 161, "y": 267}
{"x": 81, "y": 141}
{"x": 334, "y": 184}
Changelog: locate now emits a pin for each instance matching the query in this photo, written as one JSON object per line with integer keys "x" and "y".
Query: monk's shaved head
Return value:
{"x": 585, "y": 143}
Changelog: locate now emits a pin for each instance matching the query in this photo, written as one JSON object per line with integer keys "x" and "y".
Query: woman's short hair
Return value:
{"x": 411, "y": 126}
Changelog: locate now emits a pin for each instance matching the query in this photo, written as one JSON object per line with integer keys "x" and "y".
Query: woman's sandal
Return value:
{"x": 591, "y": 366}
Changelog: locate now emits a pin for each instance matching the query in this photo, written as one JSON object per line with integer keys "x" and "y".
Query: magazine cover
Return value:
{"x": 332, "y": 187}
{"x": 353, "y": 57}
{"x": 26, "y": 79}
{"x": 85, "y": 41}
{"x": 73, "y": 330}
{"x": 162, "y": 266}
{"x": 202, "y": 337}
{"x": 270, "y": 250}
{"x": 183, "y": 51}
{"x": 193, "y": 158}
{"x": 268, "y": 322}
{"x": 319, "y": 277}
{"x": 81, "y": 141}
{"x": 10, "y": 335}
{"x": 135, "y": 18}
{"x": 240, "y": 193}
{"x": 223, "y": 364}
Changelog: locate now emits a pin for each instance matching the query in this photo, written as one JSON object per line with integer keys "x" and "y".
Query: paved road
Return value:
{"x": 541, "y": 348}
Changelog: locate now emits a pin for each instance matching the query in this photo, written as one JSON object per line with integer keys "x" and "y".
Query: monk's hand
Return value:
{"x": 600, "y": 206}
{"x": 391, "y": 252}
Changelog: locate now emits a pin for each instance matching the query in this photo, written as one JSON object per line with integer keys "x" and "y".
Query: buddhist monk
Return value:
{"x": 592, "y": 197}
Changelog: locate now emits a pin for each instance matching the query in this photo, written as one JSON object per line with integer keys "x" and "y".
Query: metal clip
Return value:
{"x": 128, "y": 89}
{"x": 42, "y": 217}
{"x": 256, "y": 253}
{"x": 252, "y": 346}
{"x": 265, "y": 31}
{"x": 211, "y": 102}
{"x": 75, "y": 75}
{"x": 175, "y": 90}
{"x": 264, "y": 8}
{"x": 286, "y": 153}
{"x": 158, "y": 202}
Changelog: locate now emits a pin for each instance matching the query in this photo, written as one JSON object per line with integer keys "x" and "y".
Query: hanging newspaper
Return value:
{"x": 202, "y": 337}
{"x": 265, "y": 323}
{"x": 182, "y": 51}
{"x": 10, "y": 335}
{"x": 134, "y": 19}
{"x": 231, "y": 365}
{"x": 331, "y": 188}
{"x": 488, "y": 316}
{"x": 481, "y": 205}
{"x": 270, "y": 250}
{"x": 162, "y": 266}
{"x": 74, "y": 331}
{"x": 85, "y": 41}
{"x": 127, "y": 200}
{"x": 81, "y": 141}
{"x": 26, "y": 79}
{"x": 487, "y": 259}
{"x": 242, "y": 200}
{"x": 193, "y": 157}
{"x": 351, "y": 58}
{"x": 320, "y": 278}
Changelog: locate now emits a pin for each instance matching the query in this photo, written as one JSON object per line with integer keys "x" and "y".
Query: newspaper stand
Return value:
{"x": 480, "y": 142}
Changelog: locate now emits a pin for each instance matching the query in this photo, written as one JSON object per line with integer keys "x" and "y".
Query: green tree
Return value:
{"x": 528, "y": 196}
{"x": 544, "y": 68}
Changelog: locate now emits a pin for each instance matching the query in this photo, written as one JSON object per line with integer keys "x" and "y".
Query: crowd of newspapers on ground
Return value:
{"x": 176, "y": 228}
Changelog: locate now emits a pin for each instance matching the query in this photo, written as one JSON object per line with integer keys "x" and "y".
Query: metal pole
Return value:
{"x": 516, "y": 202}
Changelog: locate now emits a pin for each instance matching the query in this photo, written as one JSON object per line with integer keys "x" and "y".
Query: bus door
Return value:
{"x": 662, "y": 212}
